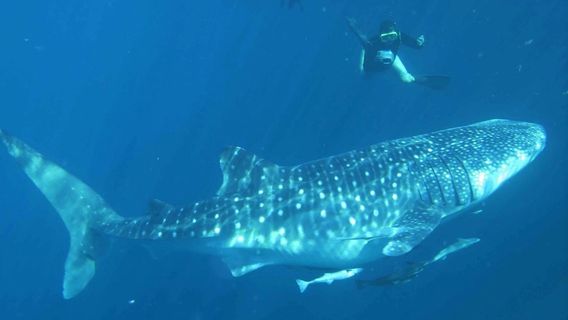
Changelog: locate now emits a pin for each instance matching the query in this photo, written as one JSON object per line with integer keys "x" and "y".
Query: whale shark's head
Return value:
{"x": 499, "y": 149}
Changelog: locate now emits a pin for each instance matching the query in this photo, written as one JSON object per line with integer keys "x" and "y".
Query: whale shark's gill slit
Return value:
{"x": 415, "y": 170}
{"x": 429, "y": 164}
{"x": 422, "y": 175}
{"x": 452, "y": 179}
{"x": 420, "y": 195}
{"x": 467, "y": 177}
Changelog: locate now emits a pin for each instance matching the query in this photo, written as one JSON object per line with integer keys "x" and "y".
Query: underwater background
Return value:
{"x": 138, "y": 99}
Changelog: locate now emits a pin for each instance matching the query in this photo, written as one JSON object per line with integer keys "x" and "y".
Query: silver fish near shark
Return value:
{"x": 457, "y": 246}
{"x": 328, "y": 278}
{"x": 337, "y": 213}
{"x": 413, "y": 269}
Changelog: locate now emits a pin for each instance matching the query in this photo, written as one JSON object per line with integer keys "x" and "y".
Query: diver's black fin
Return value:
{"x": 433, "y": 82}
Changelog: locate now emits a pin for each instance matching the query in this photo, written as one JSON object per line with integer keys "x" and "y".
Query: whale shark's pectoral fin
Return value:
{"x": 413, "y": 227}
{"x": 246, "y": 173}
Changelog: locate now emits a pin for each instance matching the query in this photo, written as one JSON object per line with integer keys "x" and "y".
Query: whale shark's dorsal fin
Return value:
{"x": 246, "y": 173}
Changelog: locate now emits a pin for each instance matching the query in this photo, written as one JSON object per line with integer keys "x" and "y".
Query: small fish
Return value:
{"x": 459, "y": 245}
{"x": 329, "y": 278}
{"x": 478, "y": 211}
{"x": 399, "y": 277}
{"x": 409, "y": 273}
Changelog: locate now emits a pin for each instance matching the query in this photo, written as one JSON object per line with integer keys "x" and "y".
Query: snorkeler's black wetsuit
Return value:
{"x": 374, "y": 45}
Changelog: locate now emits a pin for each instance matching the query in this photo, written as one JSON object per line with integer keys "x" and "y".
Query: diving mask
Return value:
{"x": 388, "y": 36}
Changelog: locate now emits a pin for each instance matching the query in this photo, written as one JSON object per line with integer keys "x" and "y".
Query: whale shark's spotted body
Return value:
{"x": 337, "y": 212}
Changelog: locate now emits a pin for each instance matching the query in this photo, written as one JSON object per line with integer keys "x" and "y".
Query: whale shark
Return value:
{"x": 339, "y": 212}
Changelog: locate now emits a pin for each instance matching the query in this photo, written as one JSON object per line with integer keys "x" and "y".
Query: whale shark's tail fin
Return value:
{"x": 303, "y": 285}
{"x": 77, "y": 204}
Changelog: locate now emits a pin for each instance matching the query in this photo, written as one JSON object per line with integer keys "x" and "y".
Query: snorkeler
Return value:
{"x": 381, "y": 53}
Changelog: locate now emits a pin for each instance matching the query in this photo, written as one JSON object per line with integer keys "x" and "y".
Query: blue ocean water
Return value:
{"x": 138, "y": 98}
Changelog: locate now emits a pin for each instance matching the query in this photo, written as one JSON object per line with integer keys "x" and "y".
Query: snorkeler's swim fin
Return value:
{"x": 433, "y": 82}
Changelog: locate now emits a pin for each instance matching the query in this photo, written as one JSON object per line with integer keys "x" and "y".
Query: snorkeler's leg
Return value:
{"x": 405, "y": 76}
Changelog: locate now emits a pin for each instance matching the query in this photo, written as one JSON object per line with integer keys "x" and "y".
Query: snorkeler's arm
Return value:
{"x": 362, "y": 38}
{"x": 412, "y": 42}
